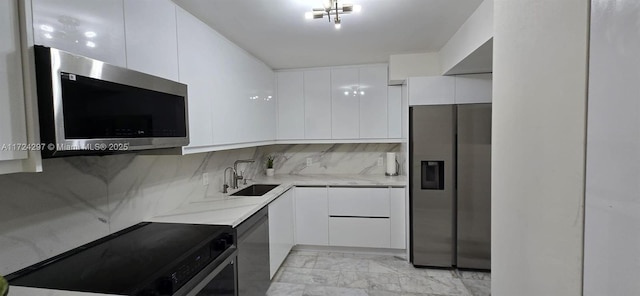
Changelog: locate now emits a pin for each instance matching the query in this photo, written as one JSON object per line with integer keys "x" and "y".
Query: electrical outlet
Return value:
{"x": 205, "y": 179}
{"x": 309, "y": 161}
{"x": 380, "y": 161}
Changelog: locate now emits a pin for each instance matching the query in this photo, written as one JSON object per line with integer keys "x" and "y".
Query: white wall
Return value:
{"x": 612, "y": 217}
{"x": 402, "y": 66}
{"x": 539, "y": 118}
{"x": 475, "y": 32}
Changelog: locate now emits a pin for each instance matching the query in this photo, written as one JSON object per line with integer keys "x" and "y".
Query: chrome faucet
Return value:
{"x": 225, "y": 186}
{"x": 237, "y": 177}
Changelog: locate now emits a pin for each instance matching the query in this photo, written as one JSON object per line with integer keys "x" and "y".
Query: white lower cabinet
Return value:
{"x": 362, "y": 202}
{"x": 359, "y": 232}
{"x": 398, "y": 218}
{"x": 281, "y": 221}
{"x": 365, "y": 217}
{"x": 312, "y": 215}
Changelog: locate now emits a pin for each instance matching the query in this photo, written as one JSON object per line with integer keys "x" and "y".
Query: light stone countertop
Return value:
{"x": 222, "y": 209}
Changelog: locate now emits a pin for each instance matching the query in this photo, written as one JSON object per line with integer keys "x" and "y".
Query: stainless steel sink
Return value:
{"x": 255, "y": 190}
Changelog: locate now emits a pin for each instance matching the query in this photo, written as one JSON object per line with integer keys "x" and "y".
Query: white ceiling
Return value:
{"x": 276, "y": 31}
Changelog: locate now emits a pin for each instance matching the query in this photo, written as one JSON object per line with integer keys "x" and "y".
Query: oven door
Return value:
{"x": 218, "y": 278}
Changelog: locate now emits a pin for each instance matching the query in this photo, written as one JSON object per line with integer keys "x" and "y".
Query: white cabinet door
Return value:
{"x": 345, "y": 107}
{"x": 290, "y": 98}
{"x": 394, "y": 111}
{"x": 431, "y": 90}
{"x": 281, "y": 221}
{"x": 195, "y": 44}
{"x": 317, "y": 104}
{"x": 398, "y": 213}
{"x": 152, "y": 44}
{"x": 474, "y": 88}
{"x": 243, "y": 106}
{"x": 93, "y": 29}
{"x": 361, "y": 202}
{"x": 257, "y": 80}
{"x": 312, "y": 216}
{"x": 12, "y": 108}
{"x": 359, "y": 232}
{"x": 373, "y": 102}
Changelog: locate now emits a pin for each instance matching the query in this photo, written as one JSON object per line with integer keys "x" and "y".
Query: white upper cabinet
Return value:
{"x": 291, "y": 101}
{"x": 342, "y": 104}
{"x": 194, "y": 43}
{"x": 373, "y": 102}
{"x": 258, "y": 91}
{"x": 231, "y": 93}
{"x": 445, "y": 90}
{"x": 394, "y": 112}
{"x": 317, "y": 104}
{"x": 12, "y": 106}
{"x": 244, "y": 108}
{"x": 94, "y": 29}
{"x": 431, "y": 90}
{"x": 151, "y": 37}
{"x": 474, "y": 88}
{"x": 345, "y": 103}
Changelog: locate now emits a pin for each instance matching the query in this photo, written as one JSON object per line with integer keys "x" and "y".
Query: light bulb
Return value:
{"x": 338, "y": 25}
{"x": 308, "y": 15}
{"x": 46, "y": 28}
{"x": 357, "y": 8}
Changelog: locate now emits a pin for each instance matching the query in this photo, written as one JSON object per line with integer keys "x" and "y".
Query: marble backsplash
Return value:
{"x": 79, "y": 199}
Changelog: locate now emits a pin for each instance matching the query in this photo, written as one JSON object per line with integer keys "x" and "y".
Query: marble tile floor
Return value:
{"x": 312, "y": 273}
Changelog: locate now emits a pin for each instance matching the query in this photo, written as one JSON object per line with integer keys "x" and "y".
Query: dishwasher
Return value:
{"x": 253, "y": 255}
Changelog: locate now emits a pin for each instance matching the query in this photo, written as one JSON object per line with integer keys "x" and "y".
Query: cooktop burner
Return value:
{"x": 130, "y": 260}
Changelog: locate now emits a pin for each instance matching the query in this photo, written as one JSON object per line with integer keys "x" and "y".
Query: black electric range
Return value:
{"x": 145, "y": 259}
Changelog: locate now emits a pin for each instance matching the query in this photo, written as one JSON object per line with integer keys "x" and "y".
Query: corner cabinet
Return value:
{"x": 231, "y": 93}
{"x": 14, "y": 155}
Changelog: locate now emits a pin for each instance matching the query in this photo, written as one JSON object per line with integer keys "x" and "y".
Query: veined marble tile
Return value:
{"x": 370, "y": 281}
{"x": 309, "y": 276}
{"x": 45, "y": 214}
{"x": 150, "y": 185}
{"x": 285, "y": 289}
{"x": 341, "y": 264}
{"x": 300, "y": 261}
{"x": 329, "y": 158}
{"x": 478, "y": 287}
{"x": 474, "y": 275}
{"x": 332, "y": 291}
{"x": 433, "y": 285}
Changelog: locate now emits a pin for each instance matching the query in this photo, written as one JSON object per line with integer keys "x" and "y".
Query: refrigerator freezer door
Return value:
{"x": 432, "y": 147}
{"x": 474, "y": 186}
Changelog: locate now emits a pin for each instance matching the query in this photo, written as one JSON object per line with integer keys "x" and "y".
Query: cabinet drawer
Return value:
{"x": 359, "y": 202}
{"x": 359, "y": 232}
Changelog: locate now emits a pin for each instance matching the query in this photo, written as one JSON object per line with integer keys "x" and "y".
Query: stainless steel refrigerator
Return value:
{"x": 450, "y": 156}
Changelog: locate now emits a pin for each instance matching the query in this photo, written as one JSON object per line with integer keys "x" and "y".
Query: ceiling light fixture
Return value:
{"x": 332, "y": 8}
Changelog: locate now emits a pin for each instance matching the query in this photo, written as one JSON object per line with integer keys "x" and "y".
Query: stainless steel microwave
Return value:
{"x": 87, "y": 106}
